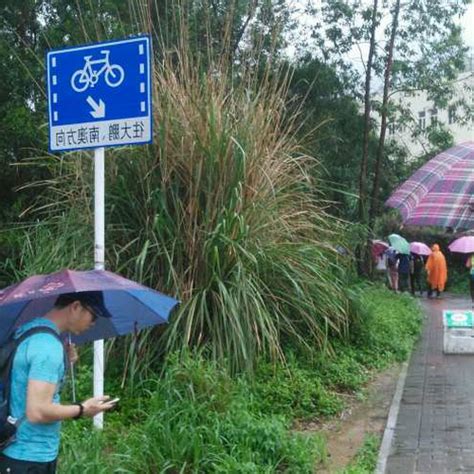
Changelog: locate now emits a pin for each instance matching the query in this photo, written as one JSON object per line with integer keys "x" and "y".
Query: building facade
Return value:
{"x": 415, "y": 116}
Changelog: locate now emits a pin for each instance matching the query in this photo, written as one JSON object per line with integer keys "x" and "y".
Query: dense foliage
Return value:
{"x": 196, "y": 418}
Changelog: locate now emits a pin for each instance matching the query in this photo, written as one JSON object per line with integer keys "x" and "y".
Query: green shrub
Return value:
{"x": 311, "y": 383}
{"x": 195, "y": 419}
{"x": 458, "y": 280}
{"x": 365, "y": 460}
{"x": 387, "y": 326}
{"x": 294, "y": 391}
{"x": 343, "y": 372}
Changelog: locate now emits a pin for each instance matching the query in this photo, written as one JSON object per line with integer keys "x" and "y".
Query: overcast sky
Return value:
{"x": 466, "y": 22}
{"x": 358, "y": 55}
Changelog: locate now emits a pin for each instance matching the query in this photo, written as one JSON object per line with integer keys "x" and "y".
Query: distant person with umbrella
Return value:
{"x": 470, "y": 265}
{"x": 392, "y": 268}
{"x": 437, "y": 271}
{"x": 38, "y": 370}
{"x": 403, "y": 271}
{"x": 417, "y": 263}
{"x": 465, "y": 245}
{"x": 416, "y": 270}
{"x": 402, "y": 250}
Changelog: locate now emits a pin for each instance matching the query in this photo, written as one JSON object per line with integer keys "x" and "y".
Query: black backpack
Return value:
{"x": 9, "y": 425}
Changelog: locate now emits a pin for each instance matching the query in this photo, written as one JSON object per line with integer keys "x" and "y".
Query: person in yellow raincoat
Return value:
{"x": 437, "y": 271}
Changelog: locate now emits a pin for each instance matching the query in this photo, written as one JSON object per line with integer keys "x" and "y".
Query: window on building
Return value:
{"x": 434, "y": 116}
{"x": 422, "y": 120}
{"x": 452, "y": 115}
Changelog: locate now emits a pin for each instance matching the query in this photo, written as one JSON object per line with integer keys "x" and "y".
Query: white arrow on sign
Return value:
{"x": 98, "y": 108}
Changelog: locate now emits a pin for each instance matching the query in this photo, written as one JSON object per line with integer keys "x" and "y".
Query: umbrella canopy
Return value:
{"x": 441, "y": 192}
{"x": 378, "y": 248}
{"x": 132, "y": 306}
{"x": 463, "y": 244}
{"x": 420, "y": 248}
{"x": 400, "y": 244}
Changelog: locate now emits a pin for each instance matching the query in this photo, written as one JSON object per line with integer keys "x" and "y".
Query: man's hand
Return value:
{"x": 41, "y": 409}
{"x": 92, "y": 406}
{"x": 72, "y": 354}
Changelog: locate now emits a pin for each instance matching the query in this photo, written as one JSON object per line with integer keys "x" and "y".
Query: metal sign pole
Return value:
{"x": 99, "y": 259}
{"x": 100, "y": 95}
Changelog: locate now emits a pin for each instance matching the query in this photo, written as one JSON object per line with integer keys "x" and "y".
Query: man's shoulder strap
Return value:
{"x": 8, "y": 349}
{"x": 37, "y": 330}
{"x": 31, "y": 332}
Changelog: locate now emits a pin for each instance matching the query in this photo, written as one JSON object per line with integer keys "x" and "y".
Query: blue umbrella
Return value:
{"x": 131, "y": 306}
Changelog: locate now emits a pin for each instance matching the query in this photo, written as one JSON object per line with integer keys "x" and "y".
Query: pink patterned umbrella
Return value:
{"x": 463, "y": 244}
{"x": 420, "y": 248}
{"x": 441, "y": 192}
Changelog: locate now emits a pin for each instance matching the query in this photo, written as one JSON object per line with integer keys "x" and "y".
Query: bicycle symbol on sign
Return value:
{"x": 89, "y": 75}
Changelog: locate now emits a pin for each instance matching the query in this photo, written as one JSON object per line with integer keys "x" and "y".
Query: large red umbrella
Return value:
{"x": 441, "y": 192}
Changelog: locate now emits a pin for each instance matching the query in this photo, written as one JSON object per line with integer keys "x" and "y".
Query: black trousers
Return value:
{"x": 15, "y": 466}
{"x": 403, "y": 281}
{"x": 415, "y": 282}
{"x": 471, "y": 286}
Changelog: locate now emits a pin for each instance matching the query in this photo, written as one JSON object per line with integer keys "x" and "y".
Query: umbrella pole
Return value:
{"x": 99, "y": 259}
{"x": 71, "y": 369}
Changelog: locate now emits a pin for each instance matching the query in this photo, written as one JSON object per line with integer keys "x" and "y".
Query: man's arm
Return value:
{"x": 41, "y": 409}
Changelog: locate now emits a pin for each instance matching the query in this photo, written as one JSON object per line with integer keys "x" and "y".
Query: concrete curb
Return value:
{"x": 386, "y": 445}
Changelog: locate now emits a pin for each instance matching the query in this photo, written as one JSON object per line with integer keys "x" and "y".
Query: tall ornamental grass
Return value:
{"x": 223, "y": 211}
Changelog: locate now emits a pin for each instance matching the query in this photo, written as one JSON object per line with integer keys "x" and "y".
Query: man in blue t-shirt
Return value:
{"x": 37, "y": 374}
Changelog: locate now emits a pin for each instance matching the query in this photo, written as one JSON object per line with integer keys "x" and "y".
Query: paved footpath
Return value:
{"x": 434, "y": 432}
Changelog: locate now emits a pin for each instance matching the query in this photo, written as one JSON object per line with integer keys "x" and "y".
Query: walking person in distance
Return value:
{"x": 437, "y": 271}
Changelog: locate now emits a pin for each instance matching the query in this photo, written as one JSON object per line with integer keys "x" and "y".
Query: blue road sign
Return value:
{"x": 100, "y": 95}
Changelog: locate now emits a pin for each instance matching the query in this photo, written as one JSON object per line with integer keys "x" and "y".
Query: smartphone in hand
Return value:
{"x": 114, "y": 401}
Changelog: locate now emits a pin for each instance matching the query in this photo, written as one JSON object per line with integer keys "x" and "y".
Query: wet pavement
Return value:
{"x": 434, "y": 432}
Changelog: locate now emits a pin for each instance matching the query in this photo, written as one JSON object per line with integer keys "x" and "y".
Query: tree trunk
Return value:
{"x": 365, "y": 144}
{"x": 363, "y": 252}
{"x": 384, "y": 111}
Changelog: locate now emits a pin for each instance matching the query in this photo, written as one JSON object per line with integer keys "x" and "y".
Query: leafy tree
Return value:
{"x": 425, "y": 52}
{"x": 27, "y": 29}
{"x": 384, "y": 110}
{"x": 332, "y": 124}
{"x": 367, "y": 108}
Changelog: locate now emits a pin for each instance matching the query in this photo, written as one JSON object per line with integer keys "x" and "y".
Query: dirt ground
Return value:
{"x": 346, "y": 434}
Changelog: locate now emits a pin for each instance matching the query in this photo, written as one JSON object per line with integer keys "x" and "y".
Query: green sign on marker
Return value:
{"x": 458, "y": 318}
